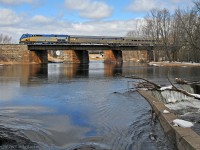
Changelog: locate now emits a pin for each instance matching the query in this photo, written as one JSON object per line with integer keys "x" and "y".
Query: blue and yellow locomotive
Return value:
{"x": 43, "y": 39}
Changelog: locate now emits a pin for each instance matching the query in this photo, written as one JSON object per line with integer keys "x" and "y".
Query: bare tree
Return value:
{"x": 158, "y": 26}
{"x": 164, "y": 29}
{"x": 190, "y": 24}
{"x": 175, "y": 35}
{"x": 5, "y": 39}
{"x": 151, "y": 30}
{"x": 138, "y": 29}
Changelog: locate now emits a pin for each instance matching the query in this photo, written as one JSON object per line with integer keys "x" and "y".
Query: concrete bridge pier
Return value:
{"x": 39, "y": 57}
{"x": 76, "y": 56}
{"x": 113, "y": 56}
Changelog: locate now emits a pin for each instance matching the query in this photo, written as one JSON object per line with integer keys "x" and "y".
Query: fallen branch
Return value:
{"x": 196, "y": 96}
{"x": 182, "y": 81}
{"x": 142, "y": 85}
{"x": 151, "y": 85}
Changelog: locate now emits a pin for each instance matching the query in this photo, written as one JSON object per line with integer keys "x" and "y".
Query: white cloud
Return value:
{"x": 44, "y": 25}
{"x": 181, "y": 1}
{"x": 15, "y": 2}
{"x": 147, "y": 5}
{"x": 106, "y": 28}
{"x": 15, "y": 25}
{"x": 8, "y": 17}
{"x": 176, "y": 1}
{"x": 89, "y": 9}
{"x": 41, "y": 19}
{"x": 143, "y": 5}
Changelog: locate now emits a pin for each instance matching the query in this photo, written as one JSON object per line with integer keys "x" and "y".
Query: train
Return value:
{"x": 79, "y": 39}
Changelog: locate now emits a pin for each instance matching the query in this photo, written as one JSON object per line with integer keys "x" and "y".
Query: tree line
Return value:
{"x": 5, "y": 39}
{"x": 176, "y": 34}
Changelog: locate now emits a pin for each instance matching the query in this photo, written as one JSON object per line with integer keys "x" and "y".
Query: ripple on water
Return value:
{"x": 57, "y": 107}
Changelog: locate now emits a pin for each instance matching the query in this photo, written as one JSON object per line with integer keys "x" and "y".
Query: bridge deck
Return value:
{"x": 87, "y": 47}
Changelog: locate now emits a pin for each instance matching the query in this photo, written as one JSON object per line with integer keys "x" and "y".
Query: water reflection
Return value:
{"x": 35, "y": 75}
{"x": 76, "y": 70}
{"x": 69, "y": 106}
{"x": 29, "y": 73}
{"x": 112, "y": 69}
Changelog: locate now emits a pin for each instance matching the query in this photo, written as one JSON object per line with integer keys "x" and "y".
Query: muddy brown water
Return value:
{"x": 72, "y": 106}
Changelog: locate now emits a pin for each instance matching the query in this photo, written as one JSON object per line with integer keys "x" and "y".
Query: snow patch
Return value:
{"x": 175, "y": 125}
{"x": 166, "y": 111}
{"x": 196, "y": 95}
{"x": 166, "y": 88}
{"x": 183, "y": 123}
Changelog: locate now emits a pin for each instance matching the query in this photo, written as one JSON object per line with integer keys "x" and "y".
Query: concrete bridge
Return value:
{"x": 78, "y": 53}
{"x": 34, "y": 47}
{"x": 73, "y": 53}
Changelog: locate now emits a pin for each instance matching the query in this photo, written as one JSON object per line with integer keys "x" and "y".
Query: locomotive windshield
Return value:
{"x": 24, "y": 36}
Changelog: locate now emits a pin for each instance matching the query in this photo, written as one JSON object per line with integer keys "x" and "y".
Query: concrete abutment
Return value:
{"x": 39, "y": 57}
{"x": 19, "y": 54}
{"x": 113, "y": 56}
{"x": 76, "y": 56}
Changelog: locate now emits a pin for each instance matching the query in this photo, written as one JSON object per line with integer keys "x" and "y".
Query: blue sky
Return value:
{"x": 85, "y": 17}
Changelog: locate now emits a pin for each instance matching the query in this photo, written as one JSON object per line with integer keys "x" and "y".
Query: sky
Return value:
{"x": 77, "y": 17}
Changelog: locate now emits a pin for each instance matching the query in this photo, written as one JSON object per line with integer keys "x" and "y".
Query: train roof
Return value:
{"x": 88, "y": 36}
{"x": 49, "y": 35}
{"x": 108, "y": 37}
{"x": 45, "y": 35}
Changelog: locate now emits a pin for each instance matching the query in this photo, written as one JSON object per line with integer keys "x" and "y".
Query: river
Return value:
{"x": 73, "y": 106}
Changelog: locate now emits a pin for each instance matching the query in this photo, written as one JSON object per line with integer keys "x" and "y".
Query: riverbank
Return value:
{"x": 184, "y": 138}
{"x": 174, "y": 64}
{"x": 55, "y": 60}
{"x": 96, "y": 57}
{"x": 15, "y": 63}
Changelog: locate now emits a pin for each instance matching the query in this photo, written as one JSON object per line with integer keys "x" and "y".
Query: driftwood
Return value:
{"x": 182, "y": 81}
{"x": 153, "y": 86}
{"x": 183, "y": 91}
{"x": 146, "y": 84}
